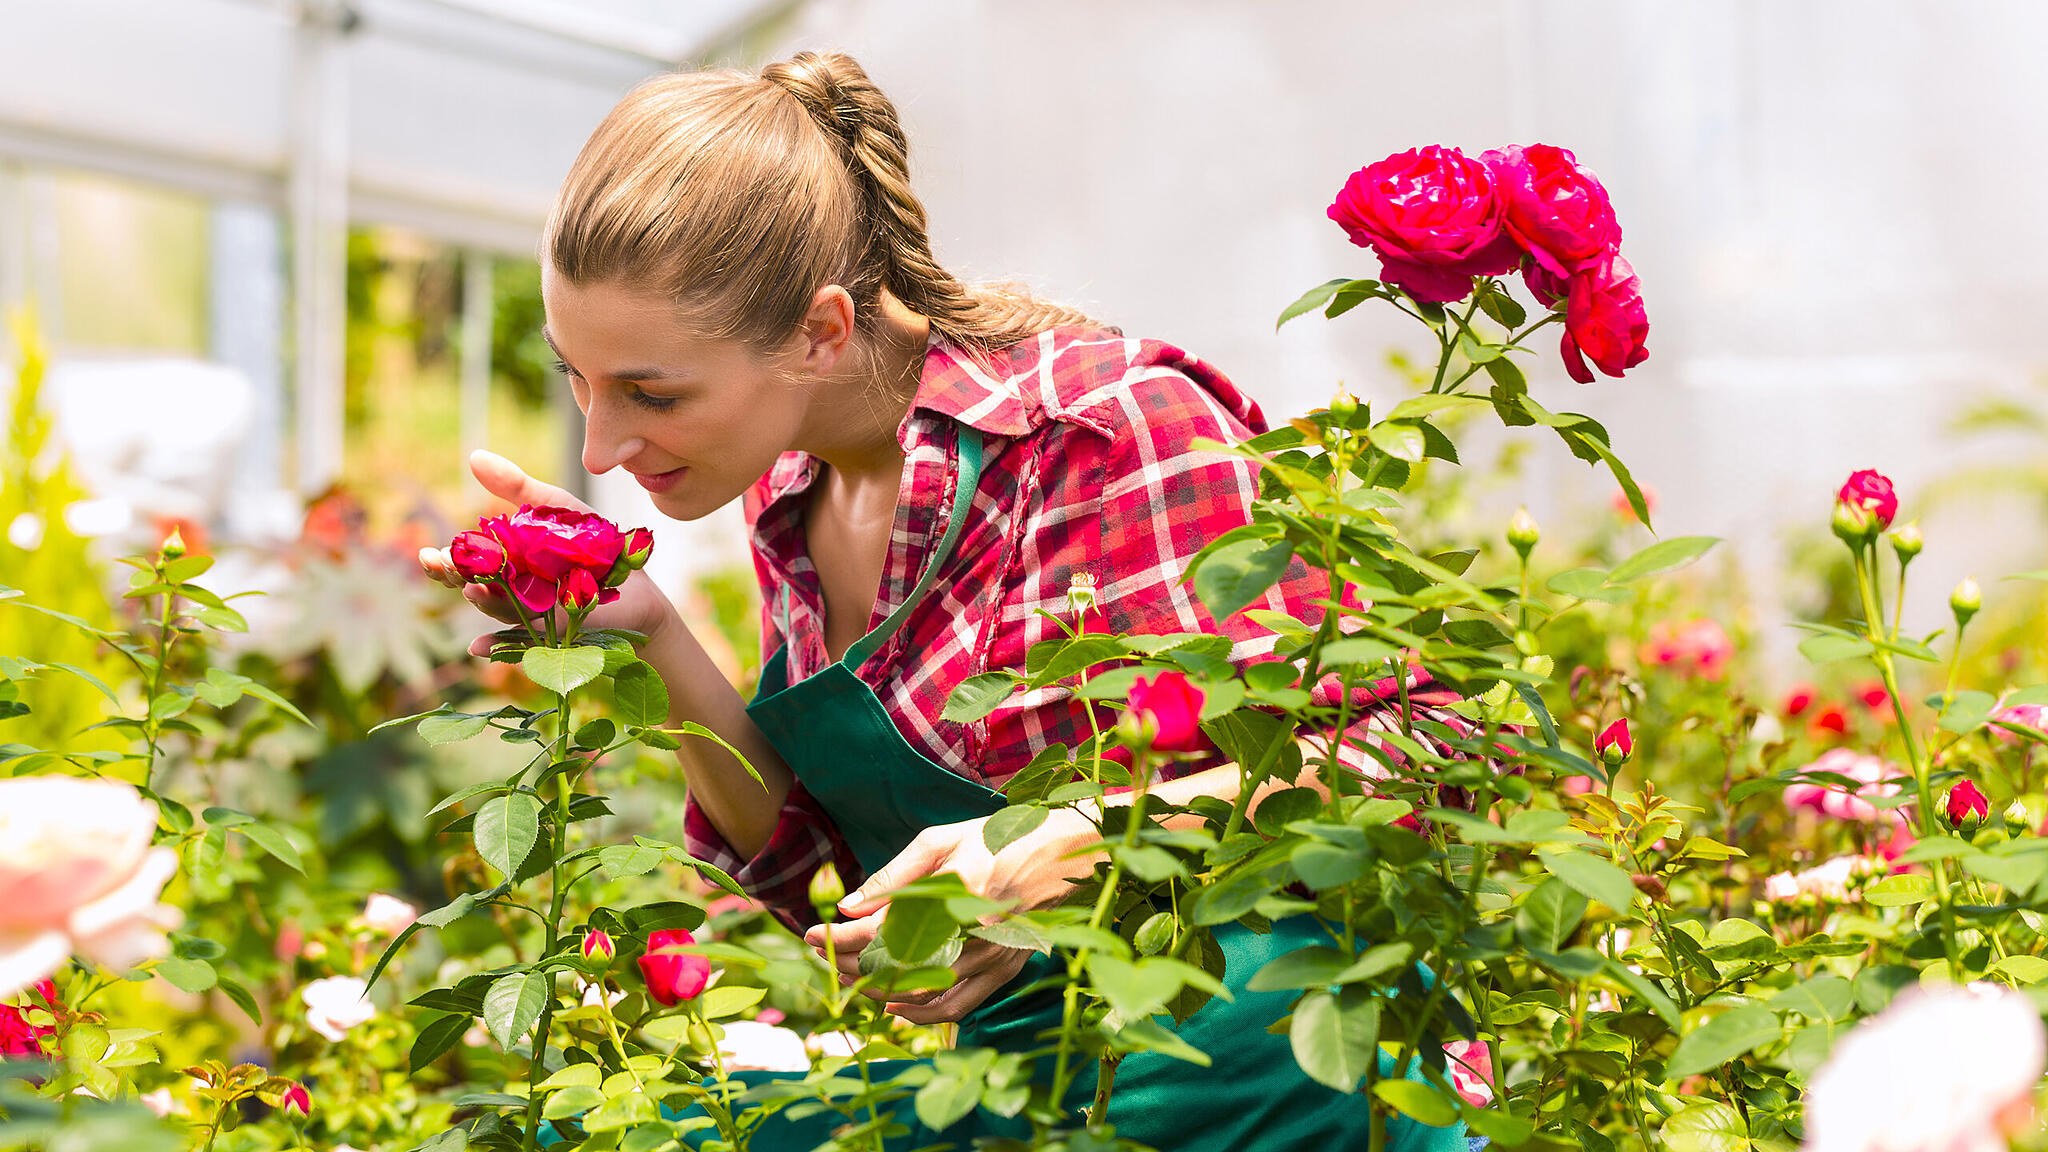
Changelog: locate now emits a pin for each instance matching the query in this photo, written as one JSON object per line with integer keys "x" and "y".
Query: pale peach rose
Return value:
{"x": 336, "y": 1004}
{"x": 1782, "y": 888}
{"x": 751, "y": 1046}
{"x": 1942, "y": 1070}
{"x": 388, "y": 915}
{"x": 159, "y": 1101}
{"x": 78, "y": 875}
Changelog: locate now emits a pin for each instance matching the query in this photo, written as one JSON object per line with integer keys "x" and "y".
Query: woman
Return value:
{"x": 738, "y": 280}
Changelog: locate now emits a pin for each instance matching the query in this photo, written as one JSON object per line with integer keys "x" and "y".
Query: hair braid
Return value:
{"x": 848, "y": 107}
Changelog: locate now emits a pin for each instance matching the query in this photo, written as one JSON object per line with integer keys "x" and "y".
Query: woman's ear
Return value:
{"x": 826, "y": 330}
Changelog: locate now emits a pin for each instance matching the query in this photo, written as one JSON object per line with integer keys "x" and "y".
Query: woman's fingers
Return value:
{"x": 509, "y": 482}
{"x": 966, "y": 994}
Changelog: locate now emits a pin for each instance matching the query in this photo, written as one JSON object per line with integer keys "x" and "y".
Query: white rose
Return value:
{"x": 336, "y": 1004}
{"x": 388, "y": 915}
{"x": 1941, "y": 1070}
{"x": 751, "y": 1046}
{"x": 78, "y": 875}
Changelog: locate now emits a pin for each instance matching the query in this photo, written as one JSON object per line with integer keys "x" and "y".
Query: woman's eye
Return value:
{"x": 652, "y": 403}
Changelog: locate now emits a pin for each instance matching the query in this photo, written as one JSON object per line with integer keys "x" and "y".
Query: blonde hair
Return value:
{"x": 740, "y": 196}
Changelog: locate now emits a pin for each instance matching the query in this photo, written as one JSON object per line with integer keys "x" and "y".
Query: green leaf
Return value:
{"x": 1311, "y": 300}
{"x": 1075, "y": 655}
{"x": 1233, "y": 576}
{"x": 1301, "y": 968}
{"x": 275, "y": 701}
{"x": 946, "y": 1099}
{"x": 1966, "y": 712}
{"x": 641, "y": 696}
{"x": 1732, "y": 1034}
{"x": 507, "y": 827}
{"x": 572, "y": 1101}
{"x": 436, "y": 1039}
{"x": 1825, "y": 649}
{"x": 448, "y": 729}
{"x": 272, "y": 841}
{"x": 188, "y": 975}
{"x": 562, "y": 670}
{"x": 1705, "y": 1126}
{"x": 1402, "y": 441}
{"x": 1901, "y": 890}
{"x": 1011, "y": 824}
{"x": 1663, "y": 556}
{"x": 979, "y": 695}
{"x": 1336, "y": 1038}
{"x": 513, "y": 1005}
{"x": 1592, "y": 876}
{"x": 1586, "y": 584}
{"x": 915, "y": 929}
{"x": 1418, "y": 1101}
{"x": 1549, "y": 915}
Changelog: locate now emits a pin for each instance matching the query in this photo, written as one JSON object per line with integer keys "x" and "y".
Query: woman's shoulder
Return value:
{"x": 1106, "y": 382}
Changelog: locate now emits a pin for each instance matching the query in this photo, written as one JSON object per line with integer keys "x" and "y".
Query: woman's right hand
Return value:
{"x": 641, "y": 607}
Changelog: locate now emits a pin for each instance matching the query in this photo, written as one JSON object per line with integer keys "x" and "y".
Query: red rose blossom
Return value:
{"x": 1555, "y": 208}
{"x": 1615, "y": 743}
{"x": 1173, "y": 706}
{"x": 296, "y": 1099}
{"x": 1966, "y": 805}
{"x": 673, "y": 977}
{"x": 1433, "y": 216}
{"x": 1604, "y": 320}
{"x": 551, "y": 542}
{"x": 476, "y": 555}
{"x": 1871, "y": 492}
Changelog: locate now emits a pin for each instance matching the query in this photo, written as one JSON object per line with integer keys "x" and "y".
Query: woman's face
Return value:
{"x": 695, "y": 421}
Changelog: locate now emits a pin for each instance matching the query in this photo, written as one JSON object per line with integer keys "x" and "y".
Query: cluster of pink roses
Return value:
{"x": 1695, "y": 648}
{"x": 1438, "y": 218}
{"x": 551, "y": 557}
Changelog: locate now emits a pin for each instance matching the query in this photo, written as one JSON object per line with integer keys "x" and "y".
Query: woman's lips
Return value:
{"x": 660, "y": 481}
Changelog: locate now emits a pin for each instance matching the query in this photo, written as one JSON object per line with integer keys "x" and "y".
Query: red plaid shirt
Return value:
{"x": 1089, "y": 468}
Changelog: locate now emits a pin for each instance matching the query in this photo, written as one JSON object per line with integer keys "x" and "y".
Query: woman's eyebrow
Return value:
{"x": 629, "y": 375}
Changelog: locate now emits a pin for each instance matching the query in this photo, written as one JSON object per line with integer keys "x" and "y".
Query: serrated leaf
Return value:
{"x": 1549, "y": 915}
{"x": 188, "y": 975}
{"x": 1335, "y": 1038}
{"x": 1311, "y": 300}
{"x": 272, "y": 841}
{"x": 1726, "y": 1037}
{"x": 1663, "y": 556}
{"x": 979, "y": 695}
{"x": 447, "y": 729}
{"x": 1233, "y": 576}
{"x": 641, "y": 696}
{"x": 1824, "y": 649}
{"x": 1402, "y": 441}
{"x": 436, "y": 1039}
{"x": 562, "y": 670}
{"x": 513, "y": 1005}
{"x": 1011, "y": 824}
{"x": 1591, "y": 876}
{"x": 506, "y": 829}
{"x": 915, "y": 929}
{"x": 1418, "y": 1101}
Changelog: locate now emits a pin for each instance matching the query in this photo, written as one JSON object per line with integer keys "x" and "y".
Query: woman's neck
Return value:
{"x": 856, "y": 411}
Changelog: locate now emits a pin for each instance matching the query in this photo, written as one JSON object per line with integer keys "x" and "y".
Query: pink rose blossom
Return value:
{"x": 1470, "y": 1064}
{"x": 1172, "y": 705}
{"x": 336, "y": 1004}
{"x": 1604, "y": 320}
{"x": 78, "y": 874}
{"x": 1433, "y": 216}
{"x": 1556, "y": 209}
{"x": 2033, "y": 716}
{"x": 673, "y": 977}
{"x": 1869, "y": 492}
{"x": 1943, "y": 1069}
{"x": 388, "y": 915}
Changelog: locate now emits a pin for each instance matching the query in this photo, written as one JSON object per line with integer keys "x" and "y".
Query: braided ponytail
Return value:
{"x": 738, "y": 197}
{"x": 837, "y": 94}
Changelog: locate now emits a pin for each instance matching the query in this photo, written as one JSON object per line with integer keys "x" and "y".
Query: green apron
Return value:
{"x": 838, "y": 739}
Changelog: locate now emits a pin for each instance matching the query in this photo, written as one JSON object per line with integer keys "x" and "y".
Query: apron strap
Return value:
{"x": 965, "y": 479}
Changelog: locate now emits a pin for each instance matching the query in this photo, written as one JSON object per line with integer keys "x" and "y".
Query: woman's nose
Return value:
{"x": 606, "y": 443}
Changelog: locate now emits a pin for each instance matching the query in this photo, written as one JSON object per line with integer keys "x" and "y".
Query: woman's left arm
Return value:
{"x": 1035, "y": 871}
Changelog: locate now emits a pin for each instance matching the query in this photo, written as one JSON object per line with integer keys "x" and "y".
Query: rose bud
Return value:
{"x": 597, "y": 945}
{"x": 827, "y": 889}
{"x": 1523, "y": 533}
{"x": 579, "y": 591}
{"x": 639, "y": 546}
{"x": 476, "y": 555}
{"x": 2017, "y": 822}
{"x": 1965, "y": 601}
{"x": 673, "y": 977}
{"x": 1965, "y": 807}
{"x": 1615, "y": 744}
{"x": 1907, "y": 542}
{"x": 1343, "y": 406}
{"x": 1168, "y": 709}
{"x": 295, "y": 1098}
{"x": 1870, "y": 493}
{"x": 174, "y": 545}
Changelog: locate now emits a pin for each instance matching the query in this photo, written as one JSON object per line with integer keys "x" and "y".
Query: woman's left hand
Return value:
{"x": 1033, "y": 871}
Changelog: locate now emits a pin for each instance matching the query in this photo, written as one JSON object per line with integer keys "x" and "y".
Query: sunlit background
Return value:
{"x": 280, "y": 251}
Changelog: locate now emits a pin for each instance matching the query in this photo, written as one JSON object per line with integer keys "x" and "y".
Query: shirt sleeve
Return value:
{"x": 1163, "y": 499}
{"x": 779, "y": 875}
